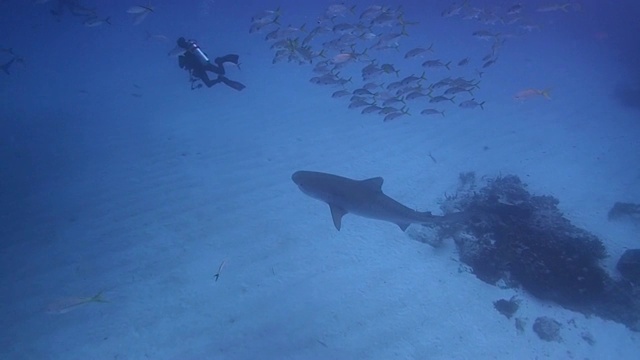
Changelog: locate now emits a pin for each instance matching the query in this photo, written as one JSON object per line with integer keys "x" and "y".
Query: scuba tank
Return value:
{"x": 195, "y": 50}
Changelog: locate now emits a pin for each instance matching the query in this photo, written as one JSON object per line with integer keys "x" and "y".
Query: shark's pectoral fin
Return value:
{"x": 403, "y": 226}
{"x": 336, "y": 214}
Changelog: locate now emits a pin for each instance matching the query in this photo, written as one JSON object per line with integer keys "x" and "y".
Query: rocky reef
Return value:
{"x": 517, "y": 239}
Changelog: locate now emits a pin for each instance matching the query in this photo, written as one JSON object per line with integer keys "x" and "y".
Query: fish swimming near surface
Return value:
{"x": 140, "y": 12}
{"x": 139, "y": 9}
{"x": 526, "y": 94}
{"x": 364, "y": 198}
{"x": 94, "y": 21}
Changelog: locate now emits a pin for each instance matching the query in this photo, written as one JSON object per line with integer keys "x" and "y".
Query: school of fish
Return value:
{"x": 359, "y": 54}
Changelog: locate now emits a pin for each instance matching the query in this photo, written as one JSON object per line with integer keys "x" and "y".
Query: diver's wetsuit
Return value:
{"x": 198, "y": 69}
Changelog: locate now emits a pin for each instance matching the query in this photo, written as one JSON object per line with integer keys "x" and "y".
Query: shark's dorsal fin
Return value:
{"x": 336, "y": 214}
{"x": 373, "y": 183}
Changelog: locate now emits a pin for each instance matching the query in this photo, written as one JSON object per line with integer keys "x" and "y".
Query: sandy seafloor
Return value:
{"x": 171, "y": 184}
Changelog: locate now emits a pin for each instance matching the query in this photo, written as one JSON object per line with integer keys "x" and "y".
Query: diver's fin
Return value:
{"x": 231, "y": 58}
{"x": 233, "y": 84}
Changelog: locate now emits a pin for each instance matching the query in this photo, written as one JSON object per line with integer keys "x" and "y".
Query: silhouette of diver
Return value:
{"x": 197, "y": 63}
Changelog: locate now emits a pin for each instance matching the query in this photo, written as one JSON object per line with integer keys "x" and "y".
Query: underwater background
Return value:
{"x": 143, "y": 219}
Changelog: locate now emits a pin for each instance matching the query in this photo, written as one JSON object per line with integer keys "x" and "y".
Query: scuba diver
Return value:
{"x": 197, "y": 63}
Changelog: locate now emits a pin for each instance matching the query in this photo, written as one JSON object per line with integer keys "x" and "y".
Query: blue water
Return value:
{"x": 116, "y": 176}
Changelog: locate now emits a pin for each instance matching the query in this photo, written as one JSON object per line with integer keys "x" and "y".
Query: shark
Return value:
{"x": 364, "y": 198}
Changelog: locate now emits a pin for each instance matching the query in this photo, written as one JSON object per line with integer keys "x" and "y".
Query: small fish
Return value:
{"x": 454, "y": 10}
{"x": 368, "y": 35}
{"x": 456, "y": 89}
{"x": 526, "y": 94}
{"x": 417, "y": 51}
{"x": 140, "y": 13}
{"x": 343, "y": 28}
{"x": 383, "y": 20}
{"x": 371, "y": 12}
{"x": 515, "y": 9}
{"x": 512, "y": 20}
{"x": 157, "y": 37}
{"x": 343, "y": 58}
{"x": 415, "y": 94}
{"x": 273, "y": 35}
{"x": 488, "y": 63}
{"x": 139, "y": 9}
{"x": 139, "y": 18}
{"x": 463, "y": 62}
{"x": 94, "y": 21}
{"x": 411, "y": 79}
{"x": 470, "y": 104}
{"x": 266, "y": 17}
{"x": 388, "y": 110}
{"x": 371, "y": 86}
{"x": 395, "y": 85}
{"x": 338, "y": 10}
{"x": 437, "y": 99}
{"x": 362, "y": 91}
{"x": 340, "y": 93}
{"x": 63, "y": 306}
{"x": 258, "y": 26}
{"x": 347, "y": 56}
{"x": 327, "y": 79}
{"x": 530, "y": 27}
{"x": 371, "y": 70}
{"x": 359, "y": 103}
{"x": 428, "y": 112}
{"x": 555, "y": 7}
{"x": 435, "y": 63}
{"x": 484, "y": 35}
{"x": 393, "y": 100}
{"x": 395, "y": 115}
{"x": 388, "y": 68}
{"x": 371, "y": 109}
{"x": 442, "y": 83}
{"x": 217, "y": 275}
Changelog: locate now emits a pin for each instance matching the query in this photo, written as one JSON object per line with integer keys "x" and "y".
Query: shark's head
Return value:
{"x": 310, "y": 183}
{"x": 298, "y": 177}
{"x": 303, "y": 179}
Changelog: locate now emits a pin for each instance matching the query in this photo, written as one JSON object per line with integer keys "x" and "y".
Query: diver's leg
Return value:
{"x": 217, "y": 69}
{"x": 202, "y": 75}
